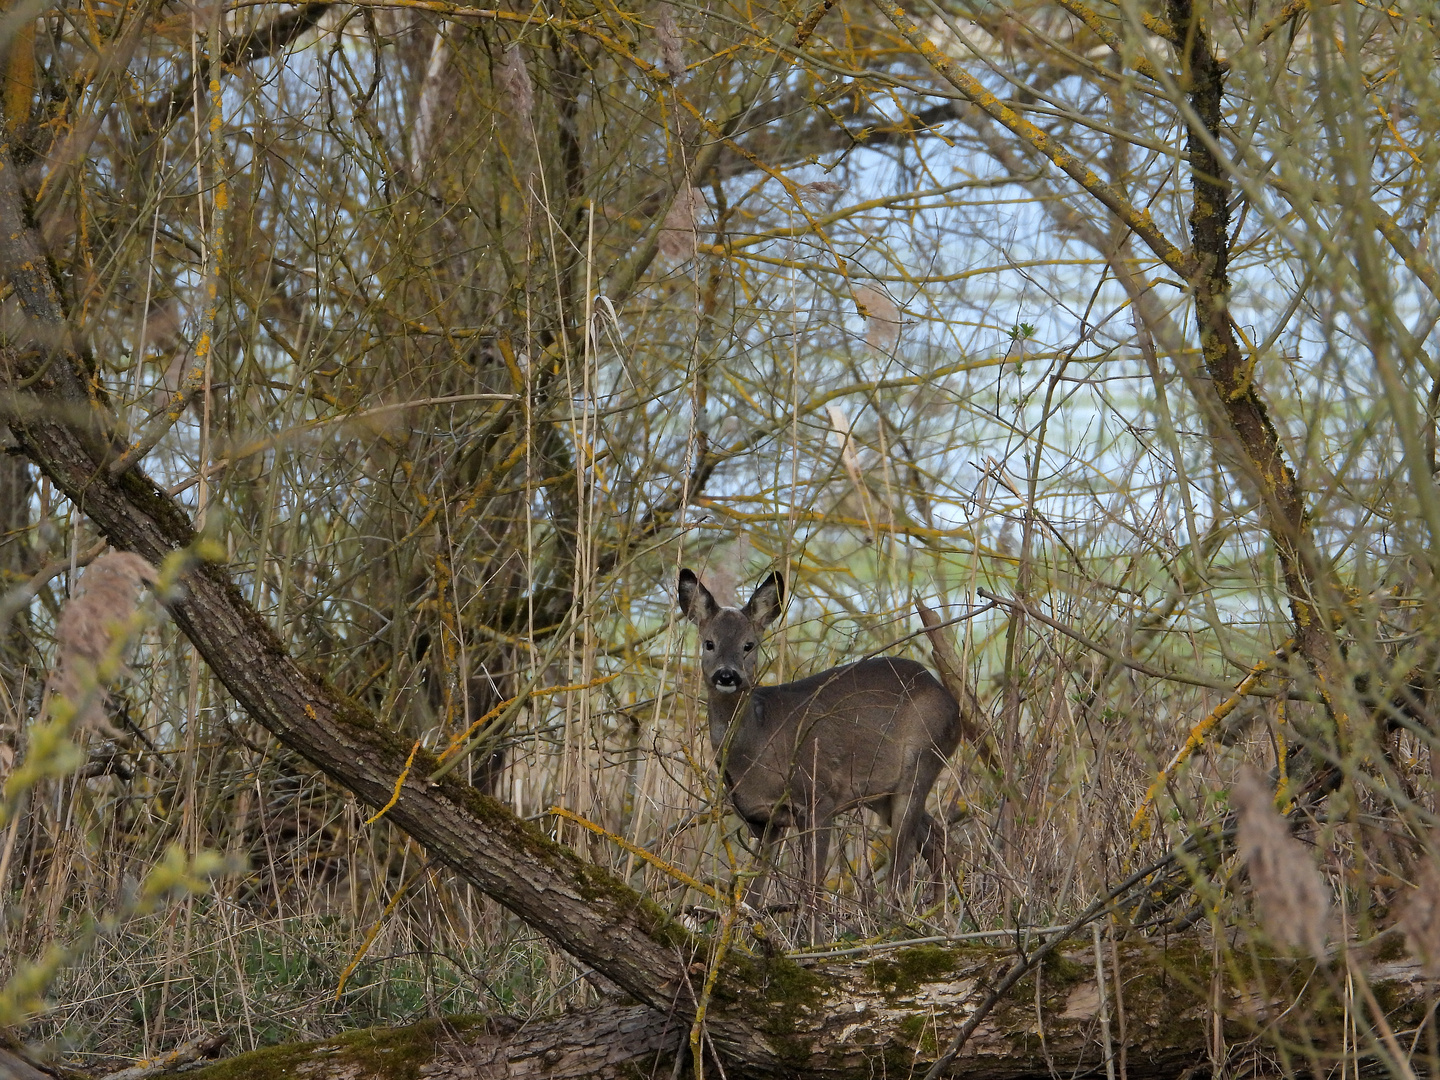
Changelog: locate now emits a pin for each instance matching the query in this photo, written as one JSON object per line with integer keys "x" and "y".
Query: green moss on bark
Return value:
{"x": 904, "y": 972}
{"x": 369, "y": 1054}
{"x": 269, "y": 1063}
{"x": 918, "y": 1031}
{"x": 778, "y": 997}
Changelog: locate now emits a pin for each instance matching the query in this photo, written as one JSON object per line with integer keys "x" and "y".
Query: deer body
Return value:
{"x": 874, "y": 733}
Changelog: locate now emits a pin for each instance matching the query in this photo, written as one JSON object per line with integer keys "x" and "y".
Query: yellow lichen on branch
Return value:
{"x": 1139, "y": 221}
{"x": 1201, "y": 731}
{"x": 635, "y": 849}
{"x": 399, "y": 783}
{"x": 459, "y": 740}
{"x": 374, "y": 931}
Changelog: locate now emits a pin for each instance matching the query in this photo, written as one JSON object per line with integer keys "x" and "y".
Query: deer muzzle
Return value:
{"x": 727, "y": 680}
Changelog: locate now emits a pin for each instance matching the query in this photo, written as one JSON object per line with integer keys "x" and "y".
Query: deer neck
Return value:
{"x": 725, "y": 710}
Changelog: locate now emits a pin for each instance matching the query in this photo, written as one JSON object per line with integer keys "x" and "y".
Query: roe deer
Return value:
{"x": 874, "y": 733}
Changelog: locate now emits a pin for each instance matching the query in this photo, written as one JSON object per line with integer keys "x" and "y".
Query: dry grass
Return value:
{"x": 262, "y": 957}
{"x": 458, "y": 440}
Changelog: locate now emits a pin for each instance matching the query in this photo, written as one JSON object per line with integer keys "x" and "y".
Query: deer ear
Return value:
{"x": 695, "y": 599}
{"x": 765, "y": 606}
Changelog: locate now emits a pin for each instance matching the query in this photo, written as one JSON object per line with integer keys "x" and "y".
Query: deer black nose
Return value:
{"x": 726, "y": 679}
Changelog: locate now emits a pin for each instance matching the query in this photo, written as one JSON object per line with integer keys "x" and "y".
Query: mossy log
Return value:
{"x": 893, "y": 1013}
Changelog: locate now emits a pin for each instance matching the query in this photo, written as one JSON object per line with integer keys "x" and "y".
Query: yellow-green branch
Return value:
{"x": 1137, "y": 220}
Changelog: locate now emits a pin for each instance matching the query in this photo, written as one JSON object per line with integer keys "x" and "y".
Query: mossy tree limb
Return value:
{"x": 890, "y": 1012}
{"x": 1247, "y": 423}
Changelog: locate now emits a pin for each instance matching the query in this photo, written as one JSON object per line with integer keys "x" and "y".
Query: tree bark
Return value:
{"x": 886, "y": 1013}
{"x": 1248, "y": 420}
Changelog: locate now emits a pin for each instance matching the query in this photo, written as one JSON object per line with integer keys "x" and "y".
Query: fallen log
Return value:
{"x": 891, "y": 1012}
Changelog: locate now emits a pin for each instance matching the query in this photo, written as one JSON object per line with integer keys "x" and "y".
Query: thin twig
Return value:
{"x": 1026, "y": 963}
{"x": 202, "y": 1046}
{"x": 20, "y": 596}
{"x": 1104, "y": 650}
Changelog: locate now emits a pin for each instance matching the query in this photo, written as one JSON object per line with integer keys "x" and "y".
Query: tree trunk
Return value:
{"x": 890, "y": 1013}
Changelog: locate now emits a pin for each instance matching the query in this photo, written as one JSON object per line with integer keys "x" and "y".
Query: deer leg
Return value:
{"x": 767, "y": 835}
{"x": 906, "y": 839}
{"x": 816, "y": 855}
{"x": 910, "y": 831}
{"x": 933, "y": 848}
{"x": 924, "y": 835}
{"x": 914, "y": 830}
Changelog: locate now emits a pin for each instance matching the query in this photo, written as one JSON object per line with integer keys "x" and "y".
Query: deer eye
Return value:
{"x": 709, "y": 646}
{"x": 749, "y": 645}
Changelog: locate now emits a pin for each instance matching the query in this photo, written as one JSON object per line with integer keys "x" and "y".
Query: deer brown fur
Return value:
{"x": 875, "y": 733}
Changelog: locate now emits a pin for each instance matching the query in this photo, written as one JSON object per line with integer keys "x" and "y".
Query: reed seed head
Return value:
{"x": 1291, "y": 897}
{"x": 882, "y": 317}
{"x": 1420, "y": 916}
{"x": 672, "y": 49}
{"x": 513, "y": 79}
{"x": 818, "y": 189}
{"x": 677, "y": 233}
{"x": 103, "y": 603}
